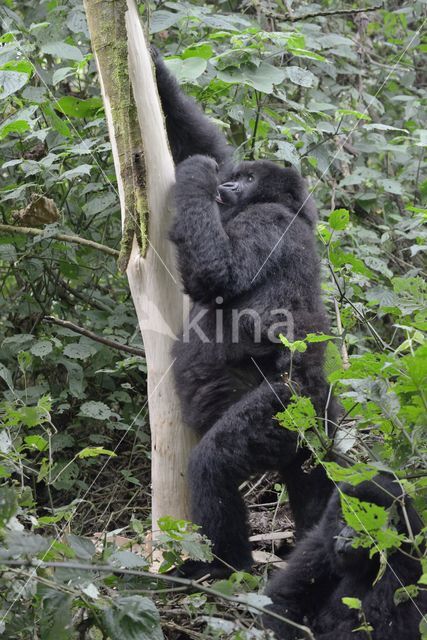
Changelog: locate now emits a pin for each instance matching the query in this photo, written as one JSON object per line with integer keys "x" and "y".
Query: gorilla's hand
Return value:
{"x": 199, "y": 175}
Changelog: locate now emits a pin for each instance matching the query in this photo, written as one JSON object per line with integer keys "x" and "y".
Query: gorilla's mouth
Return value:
{"x": 218, "y": 198}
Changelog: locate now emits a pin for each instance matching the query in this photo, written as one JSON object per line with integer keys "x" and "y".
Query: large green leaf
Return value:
{"x": 187, "y": 70}
{"x": 303, "y": 77}
{"x": 11, "y": 82}
{"x": 77, "y": 108}
{"x": 132, "y": 618}
{"x": 62, "y": 50}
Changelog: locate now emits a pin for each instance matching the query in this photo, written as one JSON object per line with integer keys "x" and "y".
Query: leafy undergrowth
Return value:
{"x": 342, "y": 97}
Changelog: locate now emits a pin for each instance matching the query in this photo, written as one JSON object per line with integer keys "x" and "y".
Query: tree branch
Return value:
{"x": 93, "y": 336}
{"x": 29, "y": 231}
{"x": 316, "y": 14}
{"x": 197, "y": 586}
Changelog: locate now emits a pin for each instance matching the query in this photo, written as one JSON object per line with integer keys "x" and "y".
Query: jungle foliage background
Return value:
{"x": 342, "y": 96}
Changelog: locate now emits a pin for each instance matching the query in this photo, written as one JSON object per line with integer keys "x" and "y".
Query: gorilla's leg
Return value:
{"x": 308, "y": 490}
{"x": 245, "y": 440}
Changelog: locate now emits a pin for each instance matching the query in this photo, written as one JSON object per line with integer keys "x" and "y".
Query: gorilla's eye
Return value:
{"x": 251, "y": 177}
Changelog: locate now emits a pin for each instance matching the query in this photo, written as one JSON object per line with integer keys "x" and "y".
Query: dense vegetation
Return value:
{"x": 341, "y": 96}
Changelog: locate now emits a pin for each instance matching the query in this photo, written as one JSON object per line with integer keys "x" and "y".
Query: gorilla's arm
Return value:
{"x": 301, "y": 588}
{"x": 217, "y": 262}
{"x": 190, "y": 132}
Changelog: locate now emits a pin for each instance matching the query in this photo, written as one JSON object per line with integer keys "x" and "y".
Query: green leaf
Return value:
{"x": 286, "y": 151}
{"x": 224, "y": 587}
{"x": 11, "y": 82}
{"x": 378, "y": 126}
{"x": 94, "y": 452}
{"x": 202, "y": 50}
{"x": 335, "y": 40}
{"x": 186, "y": 70}
{"x": 77, "y": 108}
{"x": 79, "y": 350}
{"x": 299, "y": 415}
{"x": 301, "y": 77}
{"x": 391, "y": 186}
{"x": 6, "y": 376}
{"x": 81, "y": 170}
{"x": 318, "y": 337}
{"x": 175, "y": 527}
{"x": 76, "y": 380}
{"x": 36, "y": 442}
{"x": 8, "y": 505}
{"x": 62, "y": 73}
{"x": 62, "y": 50}
{"x": 17, "y": 126}
{"x": 351, "y": 112}
{"x": 340, "y": 258}
{"x": 128, "y": 560}
{"x": 28, "y": 416}
{"x": 100, "y": 203}
{"x": 254, "y": 600}
{"x": 352, "y": 603}
{"x": 378, "y": 265}
{"x": 41, "y": 348}
{"x": 59, "y": 124}
{"x": 354, "y": 475}
{"x": 163, "y": 20}
{"x": 262, "y": 78}
{"x": 56, "y": 616}
{"x": 96, "y": 410}
{"x": 220, "y": 627}
{"x": 339, "y": 219}
{"x": 22, "y": 66}
{"x": 407, "y": 593}
{"x": 24, "y": 360}
{"x": 76, "y": 21}
{"x": 25, "y": 544}
{"x": 298, "y": 345}
{"x": 83, "y": 548}
{"x": 132, "y": 617}
{"x": 8, "y": 251}
{"x": 363, "y": 517}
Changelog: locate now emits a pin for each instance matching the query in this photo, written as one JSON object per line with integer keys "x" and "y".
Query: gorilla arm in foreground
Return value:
{"x": 325, "y": 567}
{"x": 189, "y": 131}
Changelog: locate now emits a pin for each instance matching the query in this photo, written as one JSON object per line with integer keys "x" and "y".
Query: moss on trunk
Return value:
{"x": 106, "y": 20}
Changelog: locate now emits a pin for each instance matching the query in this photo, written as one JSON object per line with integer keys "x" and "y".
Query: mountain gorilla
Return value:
{"x": 325, "y": 567}
{"x": 247, "y": 257}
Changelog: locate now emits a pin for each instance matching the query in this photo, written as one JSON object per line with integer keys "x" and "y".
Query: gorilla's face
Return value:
{"x": 241, "y": 188}
{"x": 339, "y": 538}
{"x": 382, "y": 491}
{"x": 263, "y": 181}
{"x": 346, "y": 557}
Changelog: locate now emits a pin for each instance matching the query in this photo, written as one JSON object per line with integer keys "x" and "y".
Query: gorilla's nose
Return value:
{"x": 230, "y": 186}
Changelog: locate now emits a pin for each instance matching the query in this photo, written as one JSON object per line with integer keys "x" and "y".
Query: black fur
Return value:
{"x": 325, "y": 567}
{"x": 255, "y": 251}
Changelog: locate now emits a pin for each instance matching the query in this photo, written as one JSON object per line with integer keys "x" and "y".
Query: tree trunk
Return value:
{"x": 141, "y": 156}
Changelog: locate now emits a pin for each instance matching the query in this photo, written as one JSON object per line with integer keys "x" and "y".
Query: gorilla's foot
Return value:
{"x": 216, "y": 570}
